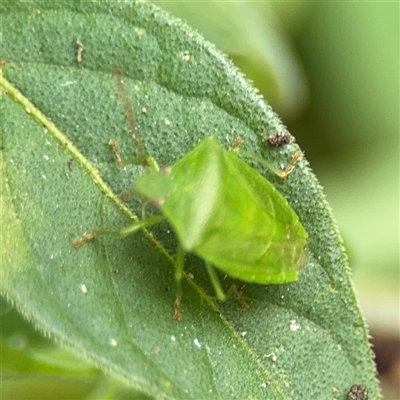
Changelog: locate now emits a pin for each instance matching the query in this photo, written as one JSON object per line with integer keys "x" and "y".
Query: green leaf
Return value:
{"x": 112, "y": 300}
{"x": 252, "y": 35}
{"x": 34, "y": 368}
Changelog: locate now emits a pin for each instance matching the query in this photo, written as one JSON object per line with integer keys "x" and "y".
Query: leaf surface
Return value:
{"x": 112, "y": 300}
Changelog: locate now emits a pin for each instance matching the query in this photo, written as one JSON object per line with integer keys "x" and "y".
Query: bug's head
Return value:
{"x": 156, "y": 186}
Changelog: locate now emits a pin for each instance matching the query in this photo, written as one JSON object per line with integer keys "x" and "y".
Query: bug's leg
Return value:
{"x": 215, "y": 281}
{"x": 129, "y": 230}
{"x": 283, "y": 174}
{"x": 179, "y": 266}
{"x": 114, "y": 145}
{"x": 238, "y": 295}
{"x": 144, "y": 205}
{"x": 144, "y": 160}
{"x": 236, "y": 144}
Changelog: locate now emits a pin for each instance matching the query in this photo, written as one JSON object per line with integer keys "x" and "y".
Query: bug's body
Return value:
{"x": 224, "y": 212}
{"x": 228, "y": 214}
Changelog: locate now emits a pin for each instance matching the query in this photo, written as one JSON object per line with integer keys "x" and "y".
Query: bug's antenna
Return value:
{"x": 128, "y": 112}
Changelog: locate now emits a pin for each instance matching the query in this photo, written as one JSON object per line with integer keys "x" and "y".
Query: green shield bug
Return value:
{"x": 228, "y": 214}
{"x": 223, "y": 211}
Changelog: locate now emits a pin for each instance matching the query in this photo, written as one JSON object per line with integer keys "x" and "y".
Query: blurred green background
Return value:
{"x": 331, "y": 71}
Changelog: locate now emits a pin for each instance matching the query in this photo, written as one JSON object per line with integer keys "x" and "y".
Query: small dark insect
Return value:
{"x": 358, "y": 392}
{"x": 79, "y": 51}
{"x": 70, "y": 161}
{"x": 280, "y": 139}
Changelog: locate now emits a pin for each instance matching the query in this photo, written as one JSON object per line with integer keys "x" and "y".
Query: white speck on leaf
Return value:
{"x": 83, "y": 288}
{"x": 140, "y": 31}
{"x": 294, "y": 325}
{"x": 186, "y": 56}
{"x": 272, "y": 356}
{"x": 113, "y": 342}
{"x": 68, "y": 83}
{"x": 197, "y": 343}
